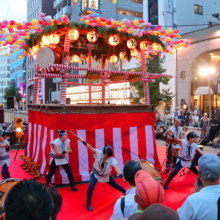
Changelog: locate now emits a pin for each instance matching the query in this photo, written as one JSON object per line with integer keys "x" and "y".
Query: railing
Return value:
{"x": 9, "y": 116}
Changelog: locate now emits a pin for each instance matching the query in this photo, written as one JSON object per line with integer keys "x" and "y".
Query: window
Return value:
{"x": 8, "y": 61}
{"x": 153, "y": 12}
{"x": 198, "y": 9}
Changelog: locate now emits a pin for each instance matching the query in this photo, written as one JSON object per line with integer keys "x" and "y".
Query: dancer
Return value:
{"x": 185, "y": 156}
{"x": 101, "y": 170}
{"x": 4, "y": 155}
{"x": 59, "y": 148}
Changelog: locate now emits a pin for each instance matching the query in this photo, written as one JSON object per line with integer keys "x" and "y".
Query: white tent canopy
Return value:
{"x": 203, "y": 91}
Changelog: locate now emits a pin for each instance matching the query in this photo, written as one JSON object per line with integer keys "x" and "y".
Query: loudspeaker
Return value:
{"x": 11, "y": 102}
{"x": 68, "y": 101}
{"x": 2, "y": 120}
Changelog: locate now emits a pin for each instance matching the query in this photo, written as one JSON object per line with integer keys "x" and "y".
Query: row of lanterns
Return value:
{"x": 92, "y": 37}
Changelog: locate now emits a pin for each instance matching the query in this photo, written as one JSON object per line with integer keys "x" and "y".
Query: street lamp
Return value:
{"x": 208, "y": 72}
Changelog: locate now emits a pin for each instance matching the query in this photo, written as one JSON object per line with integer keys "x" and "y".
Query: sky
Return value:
{"x": 13, "y": 10}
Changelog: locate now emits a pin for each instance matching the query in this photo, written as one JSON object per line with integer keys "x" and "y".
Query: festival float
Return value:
{"x": 55, "y": 44}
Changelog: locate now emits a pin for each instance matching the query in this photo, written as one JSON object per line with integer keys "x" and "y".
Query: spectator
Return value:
{"x": 195, "y": 119}
{"x": 27, "y": 200}
{"x": 57, "y": 202}
{"x": 198, "y": 185}
{"x": 182, "y": 118}
{"x": 204, "y": 121}
{"x": 187, "y": 114}
{"x": 216, "y": 142}
{"x": 156, "y": 212}
{"x": 148, "y": 191}
{"x": 158, "y": 132}
{"x": 214, "y": 123}
{"x": 168, "y": 118}
{"x": 185, "y": 132}
{"x": 203, "y": 205}
{"x": 126, "y": 206}
{"x": 191, "y": 119}
{"x": 203, "y": 139}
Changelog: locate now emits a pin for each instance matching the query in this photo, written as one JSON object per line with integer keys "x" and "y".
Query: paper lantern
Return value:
{"x": 114, "y": 40}
{"x": 113, "y": 59}
{"x": 134, "y": 53}
{"x": 144, "y": 45}
{"x": 75, "y": 58}
{"x": 123, "y": 55}
{"x": 35, "y": 49}
{"x": 46, "y": 40}
{"x": 87, "y": 59}
{"x": 54, "y": 38}
{"x": 132, "y": 44}
{"x": 73, "y": 34}
{"x": 156, "y": 47}
{"x": 30, "y": 52}
{"x": 92, "y": 36}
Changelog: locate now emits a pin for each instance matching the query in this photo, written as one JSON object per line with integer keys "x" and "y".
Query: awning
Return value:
{"x": 203, "y": 91}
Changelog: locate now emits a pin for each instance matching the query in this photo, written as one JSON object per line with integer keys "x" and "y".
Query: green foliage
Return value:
{"x": 12, "y": 90}
{"x": 153, "y": 66}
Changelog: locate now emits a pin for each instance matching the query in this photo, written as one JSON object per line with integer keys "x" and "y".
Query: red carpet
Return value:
{"x": 104, "y": 197}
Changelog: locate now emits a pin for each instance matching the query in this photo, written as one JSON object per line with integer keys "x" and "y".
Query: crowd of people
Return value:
{"x": 209, "y": 128}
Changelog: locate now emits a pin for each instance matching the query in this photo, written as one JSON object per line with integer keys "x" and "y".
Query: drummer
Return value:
{"x": 4, "y": 155}
{"x": 177, "y": 132}
{"x": 185, "y": 156}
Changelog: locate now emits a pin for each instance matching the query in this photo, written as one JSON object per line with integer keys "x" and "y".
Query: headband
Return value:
{"x": 62, "y": 132}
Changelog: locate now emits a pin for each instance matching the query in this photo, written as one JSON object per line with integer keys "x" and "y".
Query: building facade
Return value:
{"x": 34, "y": 8}
{"x": 17, "y": 71}
{"x": 204, "y": 52}
{"x": 185, "y": 15}
{"x": 4, "y": 75}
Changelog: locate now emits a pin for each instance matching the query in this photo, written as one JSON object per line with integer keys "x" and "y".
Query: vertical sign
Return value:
{"x": 21, "y": 89}
{"x": 169, "y": 6}
{"x": 41, "y": 91}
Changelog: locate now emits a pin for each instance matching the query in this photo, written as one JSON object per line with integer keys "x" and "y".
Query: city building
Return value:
{"x": 197, "y": 66}
{"x": 17, "y": 71}
{"x": 186, "y": 15}
{"x": 34, "y": 8}
{"x": 4, "y": 75}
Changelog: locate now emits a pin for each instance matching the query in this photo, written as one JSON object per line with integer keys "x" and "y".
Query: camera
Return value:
{"x": 216, "y": 15}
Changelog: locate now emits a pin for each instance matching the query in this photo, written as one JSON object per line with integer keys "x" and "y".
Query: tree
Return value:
{"x": 12, "y": 90}
{"x": 156, "y": 96}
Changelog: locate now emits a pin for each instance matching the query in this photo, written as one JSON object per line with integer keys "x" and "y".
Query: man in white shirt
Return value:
{"x": 168, "y": 118}
{"x": 185, "y": 156}
{"x": 176, "y": 130}
{"x": 195, "y": 119}
{"x": 203, "y": 204}
{"x": 126, "y": 205}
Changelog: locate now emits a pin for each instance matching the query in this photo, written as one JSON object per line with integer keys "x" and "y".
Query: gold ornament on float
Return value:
{"x": 73, "y": 34}
{"x": 92, "y": 36}
{"x": 132, "y": 44}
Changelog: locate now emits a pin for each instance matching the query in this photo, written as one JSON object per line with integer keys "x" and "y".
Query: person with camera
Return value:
{"x": 101, "y": 170}
{"x": 59, "y": 148}
{"x": 185, "y": 156}
{"x": 4, "y": 155}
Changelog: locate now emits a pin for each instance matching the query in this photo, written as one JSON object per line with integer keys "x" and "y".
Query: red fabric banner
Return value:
{"x": 131, "y": 136}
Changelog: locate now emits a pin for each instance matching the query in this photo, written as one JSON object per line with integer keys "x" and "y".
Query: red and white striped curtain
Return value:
{"x": 130, "y": 134}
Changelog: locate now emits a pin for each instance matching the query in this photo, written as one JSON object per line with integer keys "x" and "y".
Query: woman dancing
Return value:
{"x": 101, "y": 170}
